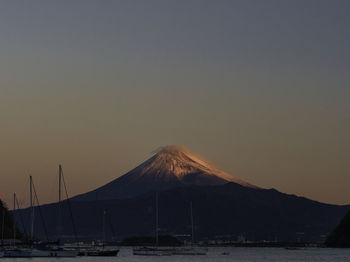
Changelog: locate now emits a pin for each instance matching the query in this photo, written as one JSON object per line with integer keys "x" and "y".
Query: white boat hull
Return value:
{"x": 190, "y": 251}
{"x": 152, "y": 251}
{"x": 39, "y": 253}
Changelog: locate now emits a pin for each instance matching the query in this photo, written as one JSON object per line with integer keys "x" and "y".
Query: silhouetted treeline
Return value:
{"x": 6, "y": 223}
{"x": 340, "y": 237}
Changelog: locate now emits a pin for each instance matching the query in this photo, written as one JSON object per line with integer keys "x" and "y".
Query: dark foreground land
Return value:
{"x": 226, "y": 211}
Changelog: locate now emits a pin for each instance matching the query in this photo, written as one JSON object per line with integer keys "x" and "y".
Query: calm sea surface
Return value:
{"x": 216, "y": 254}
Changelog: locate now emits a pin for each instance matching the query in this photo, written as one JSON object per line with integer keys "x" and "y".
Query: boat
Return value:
{"x": 153, "y": 251}
{"x": 35, "y": 252}
{"x": 18, "y": 252}
{"x": 99, "y": 252}
{"x": 190, "y": 250}
{"x": 168, "y": 251}
{"x": 292, "y": 248}
{"x": 98, "y": 249}
{"x": 156, "y": 250}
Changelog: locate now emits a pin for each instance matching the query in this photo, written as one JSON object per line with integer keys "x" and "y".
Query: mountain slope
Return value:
{"x": 171, "y": 167}
{"x": 224, "y": 211}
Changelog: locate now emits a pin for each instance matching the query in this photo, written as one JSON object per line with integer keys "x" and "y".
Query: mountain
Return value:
{"x": 171, "y": 167}
{"x": 224, "y": 207}
{"x": 340, "y": 237}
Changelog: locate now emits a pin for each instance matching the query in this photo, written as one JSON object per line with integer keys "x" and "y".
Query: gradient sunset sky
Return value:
{"x": 262, "y": 88}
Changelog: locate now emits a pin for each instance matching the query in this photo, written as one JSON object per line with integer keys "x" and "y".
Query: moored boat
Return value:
{"x": 152, "y": 251}
{"x": 190, "y": 251}
{"x": 34, "y": 252}
{"x": 99, "y": 253}
{"x": 156, "y": 250}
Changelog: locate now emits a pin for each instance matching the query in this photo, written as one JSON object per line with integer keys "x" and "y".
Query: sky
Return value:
{"x": 261, "y": 88}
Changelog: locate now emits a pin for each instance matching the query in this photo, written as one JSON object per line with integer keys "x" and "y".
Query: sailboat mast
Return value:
{"x": 157, "y": 240}
{"x": 63, "y": 183}
{"x": 59, "y": 202}
{"x": 59, "y": 183}
{"x": 192, "y": 223}
{"x": 2, "y": 225}
{"x": 14, "y": 223}
{"x": 104, "y": 226}
{"x": 31, "y": 207}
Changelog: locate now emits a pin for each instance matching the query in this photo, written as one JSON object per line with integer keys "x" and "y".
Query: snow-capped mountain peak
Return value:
{"x": 170, "y": 167}
{"x": 179, "y": 161}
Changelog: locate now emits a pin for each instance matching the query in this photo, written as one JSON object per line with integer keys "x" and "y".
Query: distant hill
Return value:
{"x": 223, "y": 211}
{"x": 340, "y": 237}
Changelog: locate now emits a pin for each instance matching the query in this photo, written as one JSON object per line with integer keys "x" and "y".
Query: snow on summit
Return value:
{"x": 170, "y": 167}
{"x": 179, "y": 161}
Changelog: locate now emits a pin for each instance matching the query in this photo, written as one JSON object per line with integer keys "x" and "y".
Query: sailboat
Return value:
{"x": 38, "y": 251}
{"x": 100, "y": 251}
{"x": 21, "y": 251}
{"x": 192, "y": 250}
{"x": 156, "y": 250}
{"x": 57, "y": 249}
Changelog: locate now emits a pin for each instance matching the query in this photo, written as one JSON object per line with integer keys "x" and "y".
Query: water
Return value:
{"x": 216, "y": 255}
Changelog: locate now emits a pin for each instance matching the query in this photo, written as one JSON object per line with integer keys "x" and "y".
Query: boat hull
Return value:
{"x": 99, "y": 253}
{"x": 190, "y": 251}
{"x": 18, "y": 253}
{"x": 150, "y": 251}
